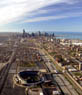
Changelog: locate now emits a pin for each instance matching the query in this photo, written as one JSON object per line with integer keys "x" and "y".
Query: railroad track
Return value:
{"x": 4, "y": 77}
{"x": 4, "y": 72}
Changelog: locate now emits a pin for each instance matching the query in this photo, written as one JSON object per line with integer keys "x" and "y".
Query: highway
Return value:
{"x": 66, "y": 87}
{"x": 65, "y": 54}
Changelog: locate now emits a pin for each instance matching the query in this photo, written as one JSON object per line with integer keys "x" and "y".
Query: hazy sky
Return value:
{"x": 44, "y": 15}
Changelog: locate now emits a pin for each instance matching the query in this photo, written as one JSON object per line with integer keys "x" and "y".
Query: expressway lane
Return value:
{"x": 66, "y": 87}
{"x": 62, "y": 82}
{"x": 70, "y": 87}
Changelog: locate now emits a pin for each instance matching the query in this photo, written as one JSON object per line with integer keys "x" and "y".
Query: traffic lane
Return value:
{"x": 56, "y": 78}
{"x": 61, "y": 84}
{"x": 70, "y": 87}
{"x": 51, "y": 66}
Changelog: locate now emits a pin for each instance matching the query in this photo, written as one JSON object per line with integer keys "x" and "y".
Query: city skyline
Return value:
{"x": 43, "y": 15}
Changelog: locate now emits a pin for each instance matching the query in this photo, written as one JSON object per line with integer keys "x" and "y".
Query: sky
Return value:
{"x": 40, "y": 15}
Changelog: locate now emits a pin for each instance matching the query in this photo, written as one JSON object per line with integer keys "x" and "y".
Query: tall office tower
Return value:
{"x": 24, "y": 33}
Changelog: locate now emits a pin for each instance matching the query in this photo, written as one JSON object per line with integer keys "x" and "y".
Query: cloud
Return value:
{"x": 13, "y": 10}
{"x": 68, "y": 15}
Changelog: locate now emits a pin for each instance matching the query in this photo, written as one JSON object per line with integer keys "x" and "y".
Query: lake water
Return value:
{"x": 69, "y": 35}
